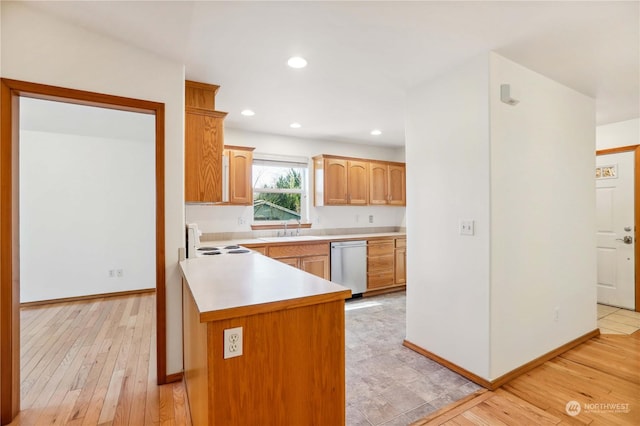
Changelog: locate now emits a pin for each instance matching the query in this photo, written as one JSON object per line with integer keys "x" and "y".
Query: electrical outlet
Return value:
{"x": 241, "y": 220}
{"x": 112, "y": 273}
{"x": 556, "y": 314}
{"x": 232, "y": 342}
{"x": 119, "y": 273}
{"x": 370, "y": 218}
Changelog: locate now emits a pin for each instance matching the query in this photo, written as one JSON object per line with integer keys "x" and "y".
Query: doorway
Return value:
{"x": 10, "y": 93}
{"x": 618, "y": 212}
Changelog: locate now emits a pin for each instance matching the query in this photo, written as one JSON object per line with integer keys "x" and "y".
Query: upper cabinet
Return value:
{"x": 204, "y": 140}
{"x": 340, "y": 181}
{"x": 352, "y": 181}
{"x": 387, "y": 183}
{"x": 240, "y": 166}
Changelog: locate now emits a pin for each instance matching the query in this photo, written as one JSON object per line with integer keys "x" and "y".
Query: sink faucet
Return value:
{"x": 298, "y": 230}
{"x": 285, "y": 228}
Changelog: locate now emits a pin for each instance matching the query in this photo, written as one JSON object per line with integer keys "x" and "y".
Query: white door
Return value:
{"x": 615, "y": 229}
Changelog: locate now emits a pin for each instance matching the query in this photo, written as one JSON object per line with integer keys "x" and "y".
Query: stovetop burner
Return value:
{"x": 208, "y": 248}
{"x": 233, "y": 247}
{"x": 238, "y": 251}
{"x": 211, "y": 253}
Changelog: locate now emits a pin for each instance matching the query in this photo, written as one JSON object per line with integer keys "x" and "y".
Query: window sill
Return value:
{"x": 258, "y": 227}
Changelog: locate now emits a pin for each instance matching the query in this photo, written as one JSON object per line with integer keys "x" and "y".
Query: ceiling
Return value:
{"x": 364, "y": 56}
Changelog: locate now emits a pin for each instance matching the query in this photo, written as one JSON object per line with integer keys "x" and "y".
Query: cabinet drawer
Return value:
{"x": 377, "y": 248}
{"x": 380, "y": 263}
{"x": 291, "y": 250}
{"x": 401, "y": 242}
{"x": 380, "y": 279}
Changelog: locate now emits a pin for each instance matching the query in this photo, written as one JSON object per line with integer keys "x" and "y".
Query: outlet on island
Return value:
{"x": 232, "y": 342}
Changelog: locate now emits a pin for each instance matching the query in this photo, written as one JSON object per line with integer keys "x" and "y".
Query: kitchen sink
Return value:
{"x": 290, "y": 239}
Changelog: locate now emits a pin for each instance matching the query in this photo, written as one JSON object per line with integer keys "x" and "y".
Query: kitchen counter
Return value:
{"x": 305, "y": 238}
{"x": 231, "y": 286}
{"x": 291, "y": 369}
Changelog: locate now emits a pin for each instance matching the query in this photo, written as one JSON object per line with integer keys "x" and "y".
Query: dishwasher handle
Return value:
{"x": 348, "y": 244}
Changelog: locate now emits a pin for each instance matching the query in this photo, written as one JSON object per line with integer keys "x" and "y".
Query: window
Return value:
{"x": 279, "y": 188}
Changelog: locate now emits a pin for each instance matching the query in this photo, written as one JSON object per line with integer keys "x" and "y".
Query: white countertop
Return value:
{"x": 234, "y": 285}
{"x": 304, "y": 238}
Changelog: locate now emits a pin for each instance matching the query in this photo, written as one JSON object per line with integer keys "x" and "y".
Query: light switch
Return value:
{"x": 467, "y": 227}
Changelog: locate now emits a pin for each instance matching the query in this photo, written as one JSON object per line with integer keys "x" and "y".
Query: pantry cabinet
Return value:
{"x": 240, "y": 166}
{"x": 204, "y": 140}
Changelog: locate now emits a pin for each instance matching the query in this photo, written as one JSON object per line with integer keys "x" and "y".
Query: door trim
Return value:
{"x": 10, "y": 92}
{"x": 636, "y": 206}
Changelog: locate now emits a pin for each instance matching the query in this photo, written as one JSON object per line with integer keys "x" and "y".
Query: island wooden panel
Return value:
{"x": 195, "y": 359}
{"x": 292, "y": 370}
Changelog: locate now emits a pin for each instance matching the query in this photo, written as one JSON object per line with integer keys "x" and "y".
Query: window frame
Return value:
{"x": 285, "y": 161}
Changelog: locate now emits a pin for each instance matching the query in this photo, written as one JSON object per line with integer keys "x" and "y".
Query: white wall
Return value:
{"x": 614, "y": 135}
{"x": 42, "y": 49}
{"x": 542, "y": 216}
{"x": 524, "y": 174}
{"x": 447, "y": 148}
{"x": 72, "y": 185}
{"x": 215, "y": 219}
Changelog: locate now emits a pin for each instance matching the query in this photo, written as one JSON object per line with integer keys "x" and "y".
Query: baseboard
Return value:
{"x": 505, "y": 378}
{"x": 384, "y": 290}
{"x": 87, "y": 297}
{"x": 175, "y": 377}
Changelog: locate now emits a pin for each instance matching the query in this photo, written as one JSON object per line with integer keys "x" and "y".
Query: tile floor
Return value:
{"x": 388, "y": 384}
{"x": 612, "y": 320}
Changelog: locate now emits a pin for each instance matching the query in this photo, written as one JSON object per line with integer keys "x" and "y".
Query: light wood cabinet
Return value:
{"x": 358, "y": 182}
{"x": 204, "y": 141}
{"x": 387, "y": 183}
{"x": 343, "y": 181}
{"x": 380, "y": 263}
{"x": 340, "y": 181}
{"x": 400, "y": 265}
{"x": 310, "y": 257}
{"x": 240, "y": 166}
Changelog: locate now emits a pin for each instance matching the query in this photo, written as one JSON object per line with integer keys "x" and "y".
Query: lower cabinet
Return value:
{"x": 380, "y": 263}
{"x": 386, "y": 263}
{"x": 310, "y": 257}
{"x": 401, "y": 261}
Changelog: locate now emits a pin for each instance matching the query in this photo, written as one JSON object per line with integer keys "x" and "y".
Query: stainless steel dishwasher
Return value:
{"x": 349, "y": 265}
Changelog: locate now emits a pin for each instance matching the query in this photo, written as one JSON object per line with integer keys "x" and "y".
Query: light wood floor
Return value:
{"x": 94, "y": 363}
{"x": 604, "y": 370}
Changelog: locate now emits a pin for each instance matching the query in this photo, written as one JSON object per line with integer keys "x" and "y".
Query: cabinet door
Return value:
{"x": 358, "y": 182}
{"x": 378, "y": 183}
{"x": 203, "y": 157}
{"x": 316, "y": 265}
{"x": 335, "y": 181}
{"x": 397, "y": 190}
{"x": 401, "y": 265}
{"x": 240, "y": 187}
{"x": 291, "y": 261}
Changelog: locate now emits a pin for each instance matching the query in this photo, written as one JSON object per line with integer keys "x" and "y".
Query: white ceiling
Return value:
{"x": 364, "y": 56}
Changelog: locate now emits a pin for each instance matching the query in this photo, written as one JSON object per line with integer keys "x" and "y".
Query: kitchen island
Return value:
{"x": 292, "y": 367}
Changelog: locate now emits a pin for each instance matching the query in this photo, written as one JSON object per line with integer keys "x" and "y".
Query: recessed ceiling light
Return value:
{"x": 376, "y": 132}
{"x": 297, "y": 62}
{"x": 248, "y": 113}
{"x": 295, "y": 125}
